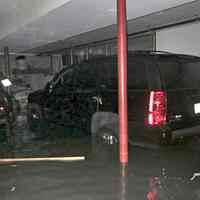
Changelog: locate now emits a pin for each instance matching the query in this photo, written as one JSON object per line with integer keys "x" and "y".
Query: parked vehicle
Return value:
{"x": 9, "y": 108}
{"x": 163, "y": 95}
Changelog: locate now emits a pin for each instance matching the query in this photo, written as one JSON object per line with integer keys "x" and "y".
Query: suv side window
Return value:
{"x": 67, "y": 78}
{"x": 84, "y": 77}
{"x": 62, "y": 84}
{"x": 106, "y": 73}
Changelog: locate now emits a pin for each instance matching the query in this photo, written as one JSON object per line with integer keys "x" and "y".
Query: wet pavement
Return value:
{"x": 99, "y": 178}
{"x": 153, "y": 173}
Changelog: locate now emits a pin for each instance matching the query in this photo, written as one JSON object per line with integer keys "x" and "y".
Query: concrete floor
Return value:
{"x": 98, "y": 178}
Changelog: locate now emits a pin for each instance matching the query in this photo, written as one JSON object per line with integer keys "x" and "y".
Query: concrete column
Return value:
{"x": 7, "y": 62}
{"x": 51, "y": 65}
{"x": 71, "y": 57}
{"x": 122, "y": 81}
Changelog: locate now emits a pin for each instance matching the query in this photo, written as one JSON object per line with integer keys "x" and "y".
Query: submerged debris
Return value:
{"x": 13, "y": 189}
{"x": 195, "y": 175}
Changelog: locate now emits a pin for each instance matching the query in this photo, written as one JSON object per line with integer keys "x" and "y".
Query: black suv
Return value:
{"x": 163, "y": 95}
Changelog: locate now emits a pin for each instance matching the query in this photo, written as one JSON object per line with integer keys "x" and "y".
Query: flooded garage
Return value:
{"x": 171, "y": 173}
{"x": 99, "y": 100}
{"x": 168, "y": 172}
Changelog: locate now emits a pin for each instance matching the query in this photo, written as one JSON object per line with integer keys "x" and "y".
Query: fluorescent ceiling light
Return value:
{"x": 6, "y": 82}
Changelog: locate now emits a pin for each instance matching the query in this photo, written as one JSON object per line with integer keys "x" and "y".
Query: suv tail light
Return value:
{"x": 157, "y": 108}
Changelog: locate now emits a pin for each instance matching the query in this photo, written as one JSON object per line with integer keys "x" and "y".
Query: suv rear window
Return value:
{"x": 180, "y": 75}
{"x": 107, "y": 74}
{"x": 137, "y": 75}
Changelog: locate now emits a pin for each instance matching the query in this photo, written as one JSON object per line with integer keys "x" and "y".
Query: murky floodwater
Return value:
{"x": 153, "y": 173}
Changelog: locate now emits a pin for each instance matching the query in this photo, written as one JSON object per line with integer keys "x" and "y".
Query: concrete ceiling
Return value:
{"x": 18, "y": 13}
{"x": 26, "y": 24}
{"x": 185, "y": 13}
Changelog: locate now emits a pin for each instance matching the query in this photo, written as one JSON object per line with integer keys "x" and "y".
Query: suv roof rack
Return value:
{"x": 165, "y": 53}
{"x": 151, "y": 52}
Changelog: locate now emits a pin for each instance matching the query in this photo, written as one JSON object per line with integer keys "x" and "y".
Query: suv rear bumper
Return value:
{"x": 186, "y": 132}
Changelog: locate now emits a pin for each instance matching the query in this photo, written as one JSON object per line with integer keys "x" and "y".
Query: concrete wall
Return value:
{"x": 183, "y": 39}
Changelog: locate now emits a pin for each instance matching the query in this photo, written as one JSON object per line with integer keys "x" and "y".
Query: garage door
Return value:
{"x": 182, "y": 39}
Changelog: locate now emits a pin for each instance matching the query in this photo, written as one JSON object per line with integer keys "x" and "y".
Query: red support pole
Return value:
{"x": 122, "y": 81}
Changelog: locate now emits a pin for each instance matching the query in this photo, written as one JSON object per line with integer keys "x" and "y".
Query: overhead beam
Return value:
{"x": 152, "y": 22}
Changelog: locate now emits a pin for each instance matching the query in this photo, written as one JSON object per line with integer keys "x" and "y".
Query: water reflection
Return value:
{"x": 123, "y": 182}
{"x": 167, "y": 174}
